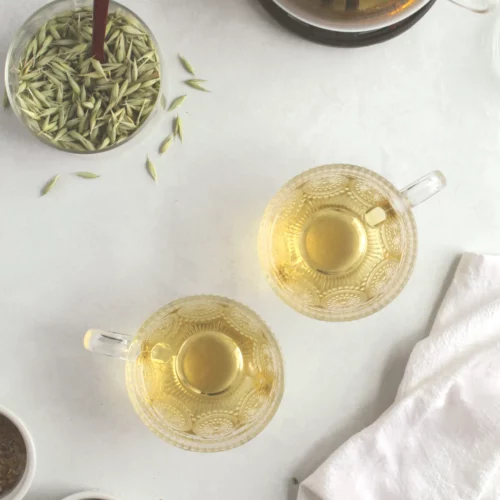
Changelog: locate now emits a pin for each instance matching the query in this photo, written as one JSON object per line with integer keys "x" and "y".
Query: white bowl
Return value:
{"x": 94, "y": 495}
{"x": 24, "y": 484}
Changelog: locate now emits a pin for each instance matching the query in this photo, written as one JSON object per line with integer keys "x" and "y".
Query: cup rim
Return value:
{"x": 91, "y": 495}
{"x": 130, "y": 138}
{"x": 26, "y": 480}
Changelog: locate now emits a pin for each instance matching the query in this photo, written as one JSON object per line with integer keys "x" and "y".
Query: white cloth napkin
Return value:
{"x": 441, "y": 437}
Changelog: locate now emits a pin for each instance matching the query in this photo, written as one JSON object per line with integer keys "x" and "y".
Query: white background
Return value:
{"x": 107, "y": 253}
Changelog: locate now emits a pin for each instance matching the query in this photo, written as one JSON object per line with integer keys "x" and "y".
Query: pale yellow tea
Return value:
{"x": 206, "y": 372}
{"x": 209, "y": 363}
{"x": 335, "y": 241}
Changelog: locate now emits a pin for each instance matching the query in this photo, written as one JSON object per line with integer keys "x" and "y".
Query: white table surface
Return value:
{"x": 107, "y": 253}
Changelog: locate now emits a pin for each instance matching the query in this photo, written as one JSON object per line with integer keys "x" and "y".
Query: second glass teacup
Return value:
{"x": 339, "y": 242}
{"x": 204, "y": 373}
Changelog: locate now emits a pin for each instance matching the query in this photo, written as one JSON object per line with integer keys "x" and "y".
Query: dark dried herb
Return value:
{"x": 12, "y": 455}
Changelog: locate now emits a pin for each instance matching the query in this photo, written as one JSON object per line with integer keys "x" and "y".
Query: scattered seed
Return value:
{"x": 186, "y": 64}
{"x": 87, "y": 175}
{"x": 197, "y": 84}
{"x": 151, "y": 170}
{"x": 177, "y": 102}
{"x": 49, "y": 185}
{"x": 166, "y": 143}
{"x": 178, "y": 128}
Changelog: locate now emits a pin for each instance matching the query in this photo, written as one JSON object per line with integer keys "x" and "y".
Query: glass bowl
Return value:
{"x": 25, "y": 34}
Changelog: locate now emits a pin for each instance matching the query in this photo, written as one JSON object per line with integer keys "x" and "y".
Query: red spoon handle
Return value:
{"x": 99, "y": 28}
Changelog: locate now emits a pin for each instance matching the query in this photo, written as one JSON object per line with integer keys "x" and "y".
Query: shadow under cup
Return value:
{"x": 339, "y": 242}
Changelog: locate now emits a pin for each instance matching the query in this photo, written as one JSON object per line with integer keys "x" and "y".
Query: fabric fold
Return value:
{"x": 441, "y": 437}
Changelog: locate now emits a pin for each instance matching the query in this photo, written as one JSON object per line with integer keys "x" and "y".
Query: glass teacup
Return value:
{"x": 339, "y": 242}
{"x": 204, "y": 373}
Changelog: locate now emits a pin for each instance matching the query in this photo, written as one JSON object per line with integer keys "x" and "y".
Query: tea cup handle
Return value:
{"x": 112, "y": 344}
{"x": 424, "y": 188}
